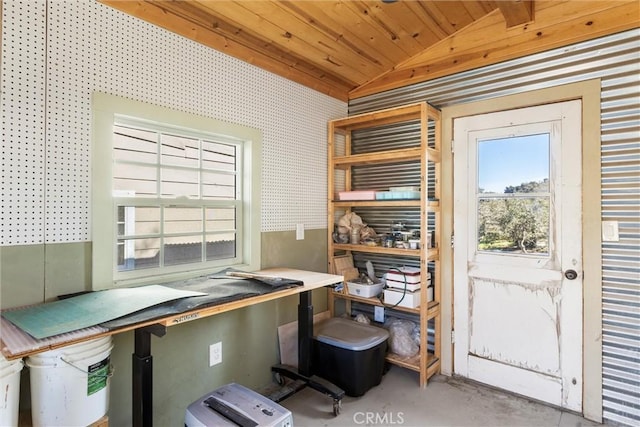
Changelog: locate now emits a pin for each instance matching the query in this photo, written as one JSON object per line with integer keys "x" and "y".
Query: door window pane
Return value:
{"x": 514, "y": 165}
{"x": 513, "y": 195}
{"x": 514, "y": 225}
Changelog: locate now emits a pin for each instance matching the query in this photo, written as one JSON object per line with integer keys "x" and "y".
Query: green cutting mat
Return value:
{"x": 82, "y": 311}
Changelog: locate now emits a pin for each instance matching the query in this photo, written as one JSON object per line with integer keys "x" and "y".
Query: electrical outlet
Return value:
{"x": 378, "y": 314}
{"x": 215, "y": 353}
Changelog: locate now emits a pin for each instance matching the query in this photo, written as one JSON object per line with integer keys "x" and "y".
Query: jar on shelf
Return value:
{"x": 355, "y": 235}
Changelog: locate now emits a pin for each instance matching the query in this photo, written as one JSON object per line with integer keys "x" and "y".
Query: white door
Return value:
{"x": 518, "y": 251}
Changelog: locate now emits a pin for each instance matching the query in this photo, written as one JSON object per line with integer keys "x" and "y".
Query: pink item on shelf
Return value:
{"x": 357, "y": 195}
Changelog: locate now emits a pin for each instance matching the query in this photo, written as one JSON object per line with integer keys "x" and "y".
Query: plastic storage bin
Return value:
{"x": 349, "y": 354}
{"x": 357, "y": 195}
{"x": 364, "y": 290}
{"x": 397, "y": 195}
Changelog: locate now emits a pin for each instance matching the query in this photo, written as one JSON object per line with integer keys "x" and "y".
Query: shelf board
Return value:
{"x": 413, "y": 363}
{"x": 377, "y": 250}
{"x": 432, "y": 254}
{"x": 432, "y": 205}
{"x": 386, "y": 157}
{"x": 390, "y": 156}
{"x": 433, "y": 307}
{"x": 379, "y": 118}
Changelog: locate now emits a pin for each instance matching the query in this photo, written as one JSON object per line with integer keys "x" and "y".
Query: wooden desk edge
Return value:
{"x": 314, "y": 280}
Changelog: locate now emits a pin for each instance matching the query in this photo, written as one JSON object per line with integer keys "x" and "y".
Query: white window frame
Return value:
{"x": 109, "y": 110}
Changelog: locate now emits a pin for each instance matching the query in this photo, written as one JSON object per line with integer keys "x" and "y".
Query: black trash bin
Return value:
{"x": 349, "y": 354}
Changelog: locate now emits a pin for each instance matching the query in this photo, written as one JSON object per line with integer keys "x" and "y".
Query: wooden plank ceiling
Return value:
{"x": 353, "y": 48}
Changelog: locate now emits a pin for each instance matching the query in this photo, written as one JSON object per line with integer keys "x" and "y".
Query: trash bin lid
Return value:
{"x": 348, "y": 334}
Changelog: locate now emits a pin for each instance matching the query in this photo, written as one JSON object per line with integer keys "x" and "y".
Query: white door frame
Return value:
{"x": 589, "y": 92}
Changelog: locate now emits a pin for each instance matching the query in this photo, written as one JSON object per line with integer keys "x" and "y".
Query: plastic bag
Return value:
{"x": 401, "y": 341}
{"x": 348, "y": 221}
{"x": 361, "y": 318}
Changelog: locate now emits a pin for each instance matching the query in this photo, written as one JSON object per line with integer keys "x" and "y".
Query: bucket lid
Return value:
{"x": 4, "y": 363}
{"x": 350, "y": 335}
{"x": 91, "y": 346}
{"x": 9, "y": 370}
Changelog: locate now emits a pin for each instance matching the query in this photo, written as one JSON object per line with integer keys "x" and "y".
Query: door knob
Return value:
{"x": 571, "y": 274}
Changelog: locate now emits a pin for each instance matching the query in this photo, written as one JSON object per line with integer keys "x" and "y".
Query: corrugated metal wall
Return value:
{"x": 616, "y": 61}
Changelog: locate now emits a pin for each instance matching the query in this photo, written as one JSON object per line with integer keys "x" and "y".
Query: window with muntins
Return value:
{"x": 174, "y": 195}
{"x": 177, "y": 196}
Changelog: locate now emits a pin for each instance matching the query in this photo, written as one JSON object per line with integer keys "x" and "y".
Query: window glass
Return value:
{"x": 138, "y": 220}
{"x": 140, "y": 180}
{"x": 220, "y": 186}
{"x": 221, "y": 246}
{"x": 182, "y": 250}
{"x": 181, "y": 220}
{"x": 138, "y": 254}
{"x": 220, "y": 156}
{"x": 180, "y": 151}
{"x": 513, "y": 195}
{"x": 135, "y": 145}
{"x": 220, "y": 219}
{"x": 180, "y": 183}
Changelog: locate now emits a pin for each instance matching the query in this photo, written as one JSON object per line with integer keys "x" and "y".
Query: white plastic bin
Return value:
{"x": 70, "y": 385}
{"x": 9, "y": 390}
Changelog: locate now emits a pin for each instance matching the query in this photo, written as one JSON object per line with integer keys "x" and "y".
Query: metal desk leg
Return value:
{"x": 305, "y": 333}
{"x": 303, "y": 372}
{"x": 142, "y": 375}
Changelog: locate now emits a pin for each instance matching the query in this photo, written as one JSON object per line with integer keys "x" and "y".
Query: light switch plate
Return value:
{"x": 299, "y": 231}
{"x": 610, "y": 231}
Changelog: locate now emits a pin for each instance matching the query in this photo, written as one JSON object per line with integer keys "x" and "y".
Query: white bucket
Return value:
{"x": 70, "y": 385}
{"x": 9, "y": 391}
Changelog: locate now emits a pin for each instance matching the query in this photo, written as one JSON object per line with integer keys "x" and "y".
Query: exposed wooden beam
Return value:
{"x": 516, "y": 12}
{"x": 487, "y": 41}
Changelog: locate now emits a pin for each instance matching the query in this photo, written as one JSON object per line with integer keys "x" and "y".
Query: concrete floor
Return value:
{"x": 446, "y": 401}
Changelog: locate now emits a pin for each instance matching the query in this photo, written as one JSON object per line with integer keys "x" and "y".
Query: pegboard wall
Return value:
{"x": 23, "y": 122}
{"x": 55, "y": 54}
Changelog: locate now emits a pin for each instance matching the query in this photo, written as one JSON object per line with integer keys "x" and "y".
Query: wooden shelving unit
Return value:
{"x": 425, "y": 153}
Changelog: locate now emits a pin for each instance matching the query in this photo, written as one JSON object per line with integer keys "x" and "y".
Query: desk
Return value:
{"x": 142, "y": 360}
